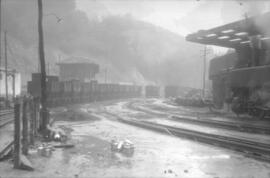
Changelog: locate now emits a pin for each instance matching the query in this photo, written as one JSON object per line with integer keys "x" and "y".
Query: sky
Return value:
{"x": 161, "y": 13}
{"x": 115, "y": 39}
{"x": 179, "y": 16}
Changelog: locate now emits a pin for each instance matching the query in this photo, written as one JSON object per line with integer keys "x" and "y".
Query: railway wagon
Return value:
{"x": 54, "y": 89}
{"x": 118, "y": 91}
{"x": 74, "y": 91}
{"x": 152, "y": 91}
{"x": 85, "y": 94}
{"x": 111, "y": 93}
{"x": 67, "y": 92}
{"x": 103, "y": 90}
{"x": 115, "y": 91}
{"x": 171, "y": 91}
{"x": 121, "y": 90}
{"x": 97, "y": 92}
{"x": 132, "y": 91}
{"x": 139, "y": 91}
{"x": 94, "y": 91}
{"x": 128, "y": 91}
{"x": 34, "y": 87}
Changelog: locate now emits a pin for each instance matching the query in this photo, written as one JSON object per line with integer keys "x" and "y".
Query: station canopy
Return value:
{"x": 236, "y": 34}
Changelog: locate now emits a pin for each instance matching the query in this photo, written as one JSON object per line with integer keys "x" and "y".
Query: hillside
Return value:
{"x": 131, "y": 50}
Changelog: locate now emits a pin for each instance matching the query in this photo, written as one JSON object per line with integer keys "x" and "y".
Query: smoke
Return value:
{"x": 132, "y": 51}
{"x": 239, "y": 9}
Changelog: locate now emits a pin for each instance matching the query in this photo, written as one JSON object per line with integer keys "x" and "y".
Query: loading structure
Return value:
{"x": 245, "y": 82}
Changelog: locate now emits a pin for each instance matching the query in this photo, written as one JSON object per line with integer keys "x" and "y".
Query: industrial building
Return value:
{"x": 241, "y": 79}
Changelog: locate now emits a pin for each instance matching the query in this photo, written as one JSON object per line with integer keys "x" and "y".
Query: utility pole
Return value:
{"x": 6, "y": 70}
{"x": 0, "y": 28}
{"x": 44, "y": 114}
{"x": 106, "y": 75}
{"x": 48, "y": 68}
{"x": 205, "y": 52}
{"x": 204, "y": 65}
{"x": 0, "y": 39}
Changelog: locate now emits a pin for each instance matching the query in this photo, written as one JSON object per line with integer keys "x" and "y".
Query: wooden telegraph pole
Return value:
{"x": 0, "y": 28}
{"x": 204, "y": 69}
{"x": 0, "y": 37}
{"x": 205, "y": 52}
{"x": 6, "y": 70}
{"x": 44, "y": 115}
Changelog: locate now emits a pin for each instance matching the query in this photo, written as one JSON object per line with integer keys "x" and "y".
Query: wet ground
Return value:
{"x": 91, "y": 129}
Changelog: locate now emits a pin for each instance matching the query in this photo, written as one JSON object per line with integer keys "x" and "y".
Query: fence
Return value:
{"x": 26, "y": 125}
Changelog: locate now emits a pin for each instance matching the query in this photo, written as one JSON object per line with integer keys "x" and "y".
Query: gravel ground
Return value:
{"x": 156, "y": 155}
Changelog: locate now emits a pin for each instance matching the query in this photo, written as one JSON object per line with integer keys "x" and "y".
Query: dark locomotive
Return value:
{"x": 241, "y": 78}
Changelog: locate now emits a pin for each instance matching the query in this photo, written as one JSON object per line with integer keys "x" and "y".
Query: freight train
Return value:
{"x": 75, "y": 91}
{"x": 171, "y": 91}
{"x": 152, "y": 91}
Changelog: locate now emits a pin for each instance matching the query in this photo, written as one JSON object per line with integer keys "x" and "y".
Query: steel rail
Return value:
{"x": 6, "y": 118}
{"x": 5, "y": 112}
{"x": 227, "y": 125}
{"x": 6, "y": 150}
{"x": 256, "y": 150}
{"x": 236, "y": 126}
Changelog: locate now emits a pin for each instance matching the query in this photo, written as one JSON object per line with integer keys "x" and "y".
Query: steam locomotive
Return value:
{"x": 245, "y": 88}
{"x": 241, "y": 78}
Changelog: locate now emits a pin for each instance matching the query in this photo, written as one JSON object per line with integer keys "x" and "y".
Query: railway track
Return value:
{"x": 236, "y": 126}
{"x": 6, "y": 117}
{"x": 227, "y": 125}
{"x": 256, "y": 150}
{"x": 6, "y": 112}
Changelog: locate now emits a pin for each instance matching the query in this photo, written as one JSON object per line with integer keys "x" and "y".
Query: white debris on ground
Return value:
{"x": 125, "y": 147}
{"x": 45, "y": 150}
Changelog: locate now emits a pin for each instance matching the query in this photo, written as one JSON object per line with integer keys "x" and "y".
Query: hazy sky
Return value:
{"x": 179, "y": 16}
